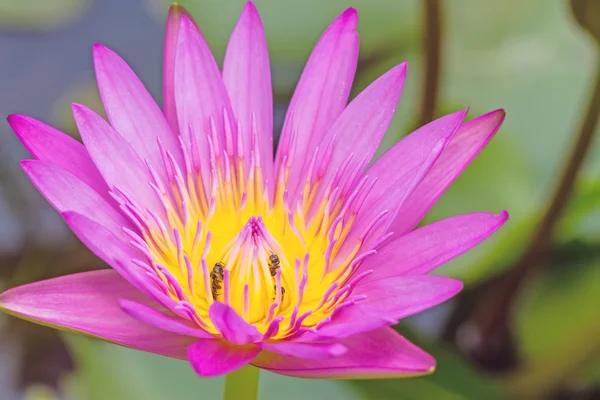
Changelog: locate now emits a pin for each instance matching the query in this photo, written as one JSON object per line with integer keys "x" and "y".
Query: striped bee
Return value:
{"x": 216, "y": 277}
{"x": 274, "y": 265}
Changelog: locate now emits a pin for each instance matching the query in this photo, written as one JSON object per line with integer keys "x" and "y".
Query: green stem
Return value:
{"x": 242, "y": 384}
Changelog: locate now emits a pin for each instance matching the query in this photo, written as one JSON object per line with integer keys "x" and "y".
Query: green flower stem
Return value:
{"x": 242, "y": 384}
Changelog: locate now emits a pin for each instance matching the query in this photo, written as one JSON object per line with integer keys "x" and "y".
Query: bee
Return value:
{"x": 274, "y": 265}
{"x": 216, "y": 277}
{"x": 282, "y": 292}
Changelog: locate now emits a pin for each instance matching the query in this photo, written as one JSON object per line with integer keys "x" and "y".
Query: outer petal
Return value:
{"x": 88, "y": 303}
{"x": 390, "y": 202}
{"x": 116, "y": 159}
{"x": 247, "y": 77}
{"x": 321, "y": 95}
{"x": 409, "y": 153}
{"x": 379, "y": 354}
{"x": 51, "y": 145}
{"x": 231, "y": 326}
{"x": 131, "y": 109}
{"x": 351, "y": 321}
{"x": 470, "y": 139}
{"x": 153, "y": 317}
{"x": 306, "y": 350}
{"x": 203, "y": 106}
{"x": 116, "y": 253}
{"x": 58, "y": 186}
{"x": 401, "y": 296}
{"x": 213, "y": 357}
{"x": 427, "y": 248}
{"x": 386, "y": 302}
{"x": 171, "y": 34}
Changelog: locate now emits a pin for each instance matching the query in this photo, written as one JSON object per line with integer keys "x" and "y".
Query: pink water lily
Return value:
{"x": 226, "y": 254}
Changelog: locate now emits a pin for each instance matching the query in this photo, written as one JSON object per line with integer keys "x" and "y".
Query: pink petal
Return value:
{"x": 380, "y": 354}
{"x": 67, "y": 193}
{"x": 116, "y": 159}
{"x": 213, "y": 357}
{"x": 107, "y": 246}
{"x": 201, "y": 97}
{"x": 131, "y": 109}
{"x": 153, "y": 317}
{"x": 387, "y": 301}
{"x": 470, "y": 139}
{"x": 390, "y": 202}
{"x": 88, "y": 303}
{"x": 247, "y": 77}
{"x": 51, "y": 145}
{"x": 173, "y": 21}
{"x": 356, "y": 134}
{"x": 318, "y": 351}
{"x": 231, "y": 326}
{"x": 321, "y": 95}
{"x": 352, "y": 320}
{"x": 409, "y": 153}
{"x": 401, "y": 296}
{"x": 360, "y": 128}
{"x": 426, "y": 248}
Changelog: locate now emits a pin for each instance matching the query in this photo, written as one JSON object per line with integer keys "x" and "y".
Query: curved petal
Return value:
{"x": 247, "y": 77}
{"x": 116, "y": 159}
{"x": 214, "y": 357}
{"x": 348, "y": 323}
{"x": 318, "y": 351}
{"x": 401, "y": 296}
{"x": 116, "y": 253}
{"x": 58, "y": 186}
{"x": 320, "y": 97}
{"x": 390, "y": 202}
{"x": 87, "y": 303}
{"x": 153, "y": 317}
{"x": 422, "y": 250}
{"x": 470, "y": 139}
{"x": 380, "y": 354}
{"x": 51, "y": 145}
{"x": 231, "y": 326}
{"x": 409, "y": 153}
{"x": 131, "y": 109}
{"x": 171, "y": 34}
{"x": 355, "y": 135}
{"x": 386, "y": 302}
{"x": 203, "y": 106}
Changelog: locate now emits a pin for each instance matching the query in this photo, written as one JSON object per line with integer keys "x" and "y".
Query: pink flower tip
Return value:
{"x": 187, "y": 22}
{"x": 349, "y": 16}
{"x": 503, "y": 216}
{"x": 250, "y": 7}
{"x": 98, "y": 47}
{"x": 14, "y": 120}
{"x": 78, "y": 108}
{"x": 401, "y": 70}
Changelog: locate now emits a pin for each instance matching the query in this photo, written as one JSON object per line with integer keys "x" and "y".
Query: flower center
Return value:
{"x": 222, "y": 236}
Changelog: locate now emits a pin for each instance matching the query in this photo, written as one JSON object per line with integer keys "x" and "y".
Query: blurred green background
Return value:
{"x": 532, "y": 58}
